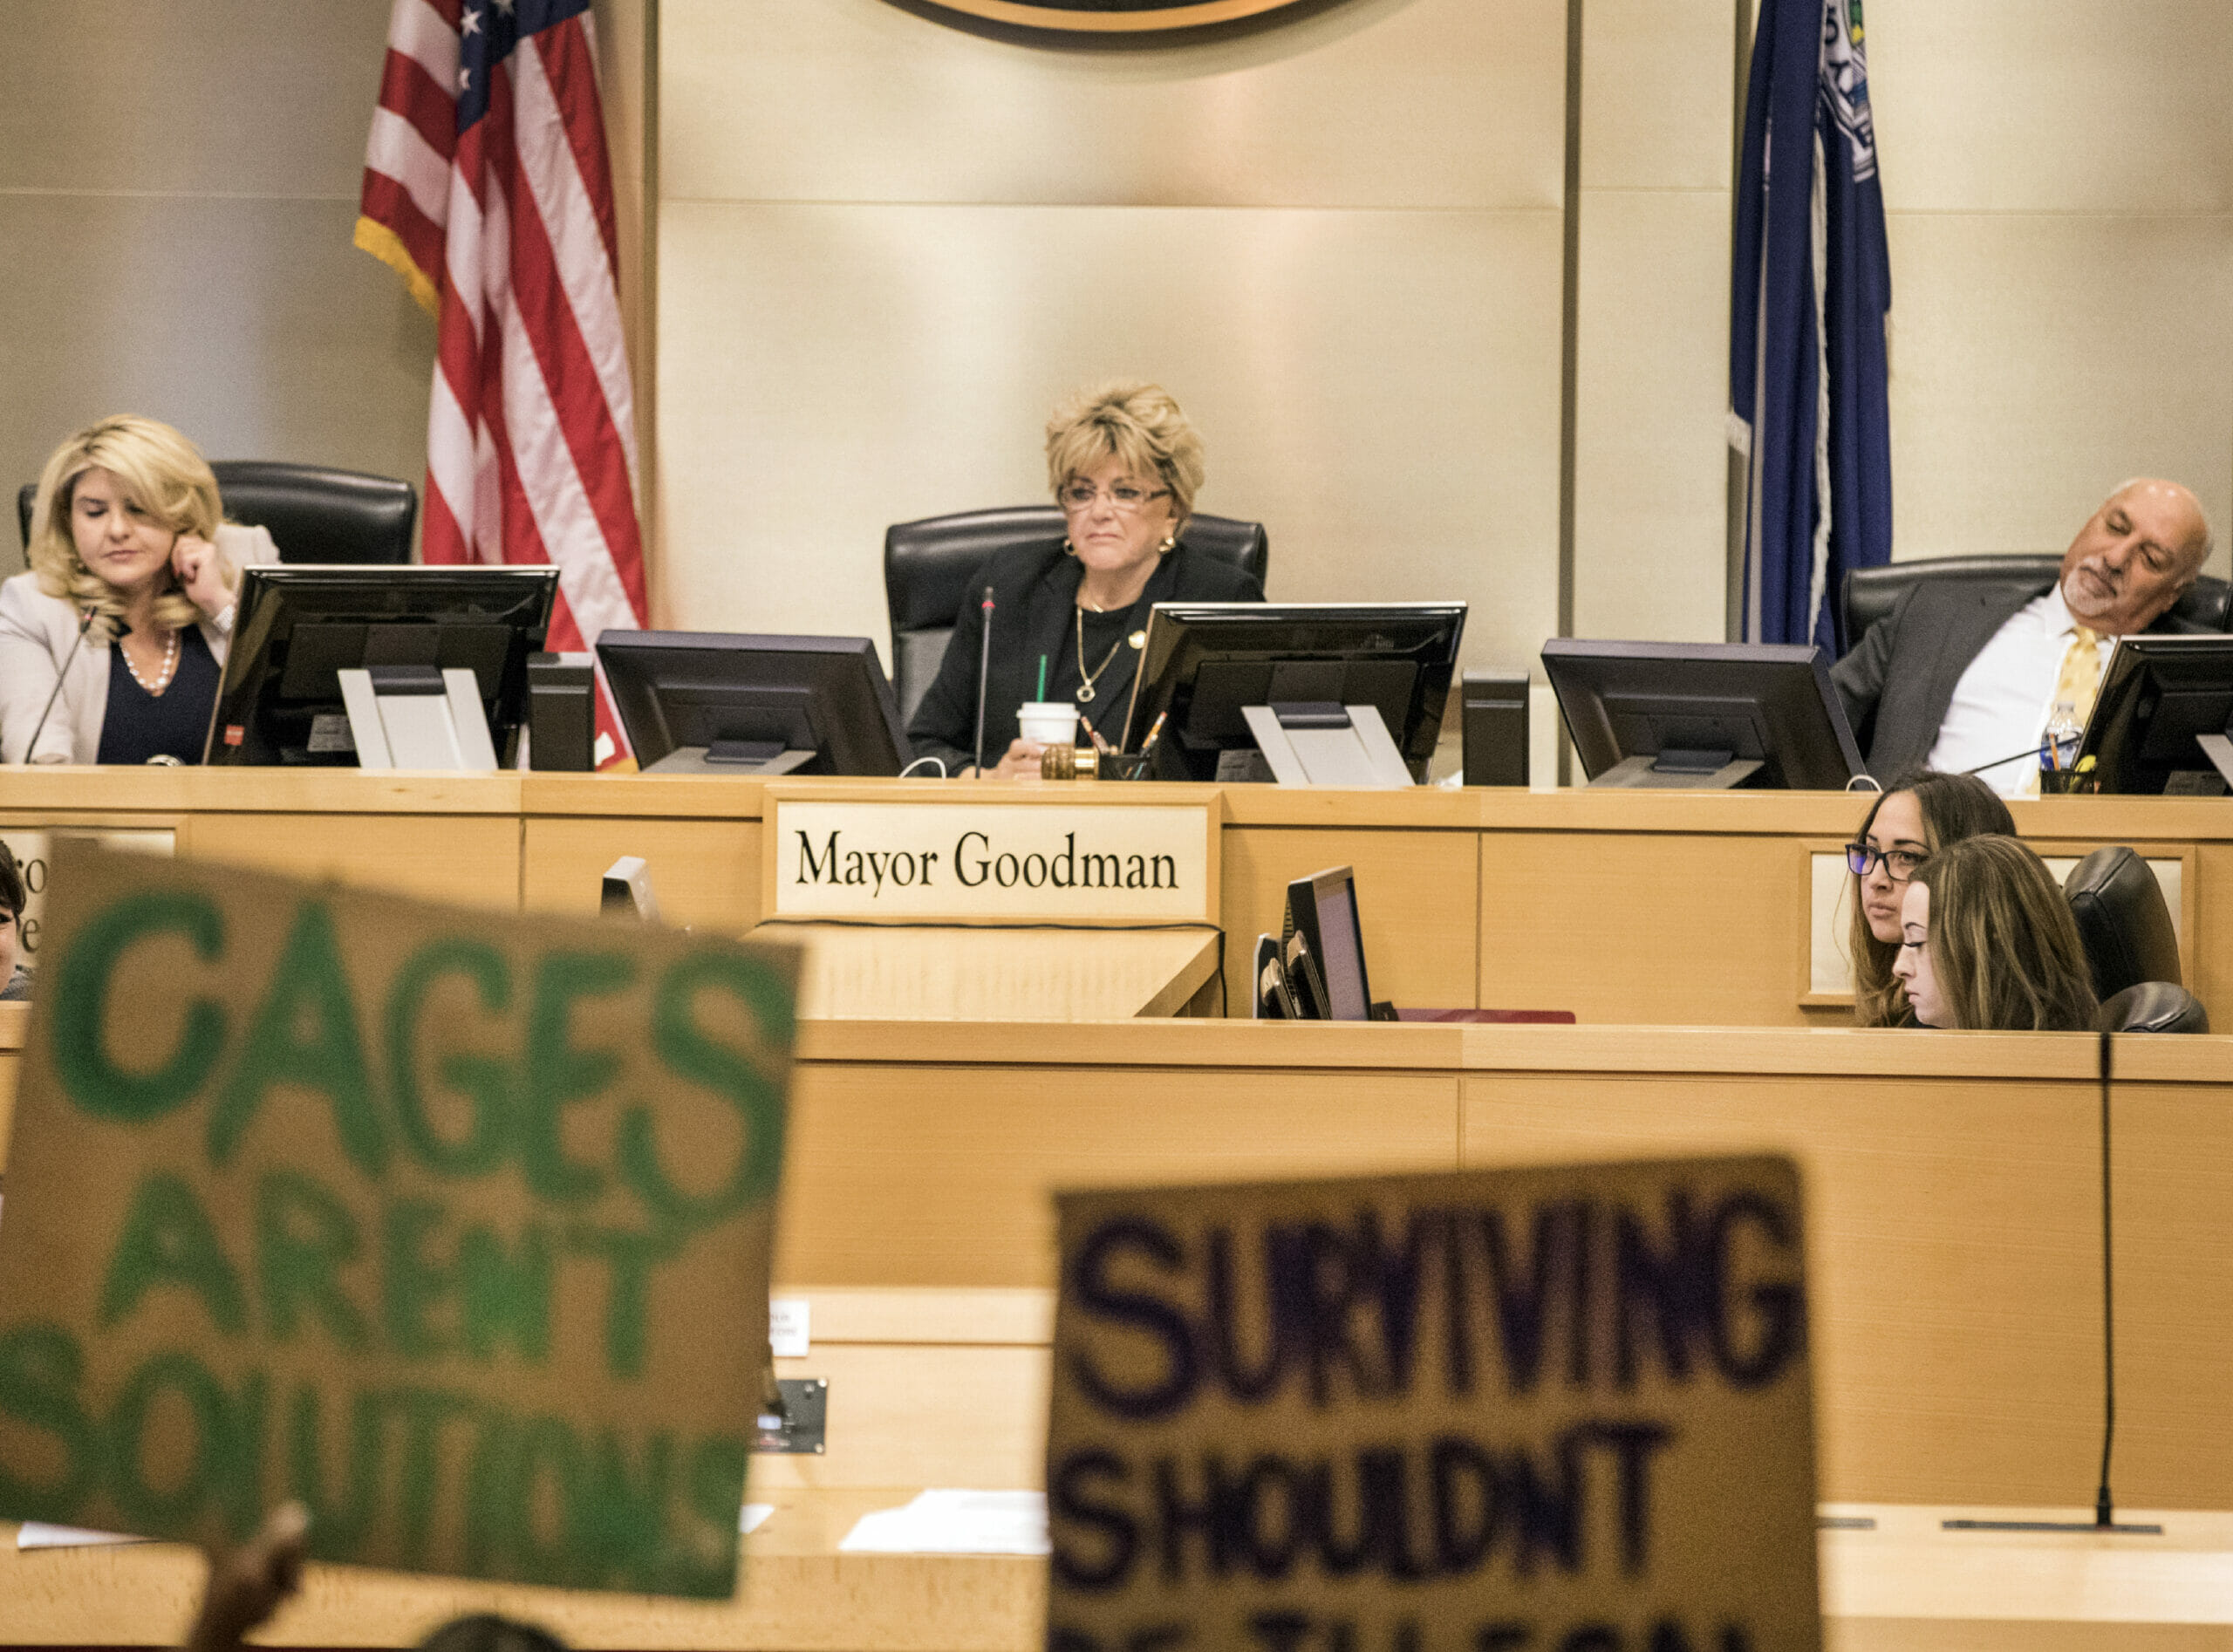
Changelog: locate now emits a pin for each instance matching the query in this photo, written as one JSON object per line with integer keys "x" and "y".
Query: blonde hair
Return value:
{"x": 1953, "y": 807}
{"x": 163, "y": 473}
{"x": 1138, "y": 424}
{"x": 2004, "y": 946}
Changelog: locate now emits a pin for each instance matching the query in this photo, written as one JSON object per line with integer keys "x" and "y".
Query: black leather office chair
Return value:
{"x": 927, "y": 564}
{"x": 2155, "y": 1006}
{"x": 1870, "y": 593}
{"x": 2123, "y": 920}
{"x": 314, "y": 513}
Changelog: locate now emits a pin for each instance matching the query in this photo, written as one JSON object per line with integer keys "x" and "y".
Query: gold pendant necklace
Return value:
{"x": 1085, "y": 688}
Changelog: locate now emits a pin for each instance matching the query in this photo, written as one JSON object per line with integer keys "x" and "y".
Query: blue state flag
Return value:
{"x": 1810, "y": 287}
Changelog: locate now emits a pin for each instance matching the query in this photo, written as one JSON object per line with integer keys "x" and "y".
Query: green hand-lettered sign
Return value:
{"x": 455, "y": 1228}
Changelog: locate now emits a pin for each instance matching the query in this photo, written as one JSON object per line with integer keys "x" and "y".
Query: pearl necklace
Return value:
{"x": 163, "y": 677}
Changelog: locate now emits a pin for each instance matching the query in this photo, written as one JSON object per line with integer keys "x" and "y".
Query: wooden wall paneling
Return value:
{"x": 1417, "y": 892}
{"x": 1643, "y": 927}
{"x": 2213, "y": 928}
{"x": 469, "y": 860}
{"x": 2172, "y": 1151}
{"x": 942, "y": 1176}
{"x": 705, "y": 873}
{"x": 1954, "y": 1249}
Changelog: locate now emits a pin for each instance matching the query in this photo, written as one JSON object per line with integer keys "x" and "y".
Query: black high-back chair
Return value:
{"x": 2155, "y": 1006}
{"x": 1868, "y": 594}
{"x": 2123, "y": 920}
{"x": 313, "y": 514}
{"x": 927, "y": 564}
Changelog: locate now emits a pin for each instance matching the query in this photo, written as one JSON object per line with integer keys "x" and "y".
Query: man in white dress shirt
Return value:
{"x": 1964, "y": 674}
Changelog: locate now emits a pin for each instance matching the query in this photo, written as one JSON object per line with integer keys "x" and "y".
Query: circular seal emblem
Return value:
{"x": 1109, "y": 16}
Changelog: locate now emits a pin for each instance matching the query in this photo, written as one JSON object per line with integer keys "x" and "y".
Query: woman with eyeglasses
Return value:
{"x": 1922, "y": 814}
{"x": 1988, "y": 942}
{"x": 1124, "y": 464}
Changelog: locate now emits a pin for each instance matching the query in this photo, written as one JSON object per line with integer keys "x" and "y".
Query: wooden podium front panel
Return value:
{"x": 908, "y": 1174}
{"x": 1682, "y": 929}
{"x": 1417, "y": 893}
{"x": 466, "y": 860}
{"x": 705, "y": 873}
{"x": 1955, "y": 1240}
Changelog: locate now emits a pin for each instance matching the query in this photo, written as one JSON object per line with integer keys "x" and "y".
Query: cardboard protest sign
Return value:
{"x": 1538, "y": 1411}
{"x": 454, "y": 1226}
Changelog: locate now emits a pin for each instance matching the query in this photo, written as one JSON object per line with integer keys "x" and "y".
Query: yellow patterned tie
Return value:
{"x": 2079, "y": 682}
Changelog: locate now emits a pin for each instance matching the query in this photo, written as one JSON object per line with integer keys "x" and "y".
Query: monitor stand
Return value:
{"x": 1680, "y": 771}
{"x": 702, "y": 759}
{"x": 1318, "y": 743}
{"x": 418, "y": 717}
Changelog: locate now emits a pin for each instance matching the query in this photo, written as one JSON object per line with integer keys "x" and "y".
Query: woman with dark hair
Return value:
{"x": 1922, "y": 814}
{"x": 1988, "y": 942}
{"x": 15, "y": 980}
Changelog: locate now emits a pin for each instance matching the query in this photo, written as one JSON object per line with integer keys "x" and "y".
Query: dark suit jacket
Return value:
{"x": 1898, "y": 681}
{"x": 1034, "y": 594}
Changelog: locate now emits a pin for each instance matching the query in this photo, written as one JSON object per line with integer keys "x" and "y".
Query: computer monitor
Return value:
{"x": 1203, "y": 663}
{"x": 298, "y": 625}
{"x": 1322, "y": 909}
{"x": 1702, "y": 714}
{"x": 718, "y": 702}
{"x": 2161, "y": 699}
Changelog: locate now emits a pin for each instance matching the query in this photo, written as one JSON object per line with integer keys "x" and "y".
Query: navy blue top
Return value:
{"x": 175, "y": 723}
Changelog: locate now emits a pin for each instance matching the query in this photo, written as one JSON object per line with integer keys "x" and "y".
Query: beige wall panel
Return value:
{"x": 252, "y": 324}
{"x": 2039, "y": 360}
{"x": 1975, "y": 1324}
{"x": 860, "y": 1208}
{"x": 477, "y": 863}
{"x": 1384, "y": 103}
{"x": 705, "y": 873}
{"x": 1381, "y": 389}
{"x": 2098, "y": 106}
{"x": 258, "y": 97}
{"x": 1417, "y": 893}
{"x": 1656, "y": 85}
{"x": 912, "y": 1415}
{"x": 1652, "y": 392}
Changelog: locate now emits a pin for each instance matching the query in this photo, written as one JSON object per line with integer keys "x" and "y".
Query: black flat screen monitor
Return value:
{"x": 2158, "y": 696}
{"x": 298, "y": 625}
{"x": 1322, "y": 909}
{"x": 1685, "y": 714}
{"x": 705, "y": 702}
{"x": 1203, "y": 662}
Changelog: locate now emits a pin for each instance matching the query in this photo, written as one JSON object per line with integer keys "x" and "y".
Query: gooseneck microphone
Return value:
{"x": 60, "y": 677}
{"x": 984, "y": 668}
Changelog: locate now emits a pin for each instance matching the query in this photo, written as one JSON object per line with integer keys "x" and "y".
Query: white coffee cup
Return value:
{"x": 1048, "y": 723}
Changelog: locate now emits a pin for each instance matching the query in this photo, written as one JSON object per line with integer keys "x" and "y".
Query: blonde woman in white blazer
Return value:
{"x": 128, "y": 603}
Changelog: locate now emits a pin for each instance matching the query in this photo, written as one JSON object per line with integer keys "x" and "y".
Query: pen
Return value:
{"x": 1099, "y": 744}
{"x": 1149, "y": 744}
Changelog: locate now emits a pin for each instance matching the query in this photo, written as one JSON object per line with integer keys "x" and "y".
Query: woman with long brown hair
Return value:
{"x": 1923, "y": 813}
{"x": 1988, "y": 942}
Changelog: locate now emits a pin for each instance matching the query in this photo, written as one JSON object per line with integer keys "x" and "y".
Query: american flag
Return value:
{"x": 487, "y": 185}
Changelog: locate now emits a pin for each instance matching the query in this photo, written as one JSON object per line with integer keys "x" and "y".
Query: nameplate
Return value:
{"x": 1019, "y": 859}
{"x": 33, "y": 848}
{"x": 1552, "y": 1409}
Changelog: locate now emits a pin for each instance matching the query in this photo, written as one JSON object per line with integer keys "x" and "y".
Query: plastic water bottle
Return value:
{"x": 2058, "y": 746}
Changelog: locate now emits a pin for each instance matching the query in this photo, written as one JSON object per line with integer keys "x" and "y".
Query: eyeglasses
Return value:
{"x": 1125, "y": 499}
{"x": 1899, "y": 864}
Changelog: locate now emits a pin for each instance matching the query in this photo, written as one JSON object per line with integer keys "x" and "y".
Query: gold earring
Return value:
{"x": 1069, "y": 550}
{"x": 1170, "y": 544}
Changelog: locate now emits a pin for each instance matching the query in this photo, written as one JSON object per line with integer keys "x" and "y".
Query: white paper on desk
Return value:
{"x": 955, "y": 1522}
{"x": 755, "y": 1516}
{"x": 37, "y": 1534}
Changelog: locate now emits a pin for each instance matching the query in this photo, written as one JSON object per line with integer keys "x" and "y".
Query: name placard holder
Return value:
{"x": 1013, "y": 855}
